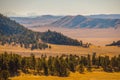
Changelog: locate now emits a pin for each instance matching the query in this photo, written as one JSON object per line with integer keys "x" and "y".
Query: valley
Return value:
{"x": 59, "y": 40}
{"x": 98, "y": 37}
{"x": 47, "y": 52}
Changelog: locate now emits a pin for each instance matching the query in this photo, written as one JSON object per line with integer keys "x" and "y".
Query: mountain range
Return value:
{"x": 105, "y": 16}
{"x": 78, "y": 21}
{"x": 85, "y": 22}
{"x": 36, "y": 20}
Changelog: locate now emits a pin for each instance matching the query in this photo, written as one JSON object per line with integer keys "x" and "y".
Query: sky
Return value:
{"x": 58, "y": 7}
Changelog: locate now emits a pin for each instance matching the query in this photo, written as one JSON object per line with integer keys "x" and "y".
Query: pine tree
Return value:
{"x": 4, "y": 75}
{"x": 81, "y": 70}
{"x": 93, "y": 58}
{"x": 33, "y": 61}
{"x": 45, "y": 68}
{"x": 51, "y": 65}
{"x": 39, "y": 65}
{"x": 89, "y": 63}
{"x": 118, "y": 60}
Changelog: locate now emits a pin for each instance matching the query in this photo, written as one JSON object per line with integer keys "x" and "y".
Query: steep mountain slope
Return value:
{"x": 35, "y": 21}
{"x": 84, "y": 22}
{"x": 14, "y": 33}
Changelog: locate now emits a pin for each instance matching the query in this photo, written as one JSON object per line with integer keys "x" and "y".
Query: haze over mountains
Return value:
{"x": 78, "y": 21}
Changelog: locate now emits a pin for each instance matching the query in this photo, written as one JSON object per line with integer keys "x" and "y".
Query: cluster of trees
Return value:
{"x": 114, "y": 43}
{"x": 58, "y": 38}
{"x": 11, "y": 64}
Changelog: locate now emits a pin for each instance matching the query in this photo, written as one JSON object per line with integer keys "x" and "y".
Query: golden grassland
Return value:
{"x": 73, "y": 76}
{"x": 63, "y": 49}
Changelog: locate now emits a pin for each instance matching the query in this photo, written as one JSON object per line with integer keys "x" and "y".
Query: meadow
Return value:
{"x": 63, "y": 49}
{"x": 73, "y": 76}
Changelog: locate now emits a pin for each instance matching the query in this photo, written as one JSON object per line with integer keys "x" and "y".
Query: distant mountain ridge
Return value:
{"x": 105, "y": 16}
{"x": 36, "y": 21}
{"x": 85, "y": 22}
{"x": 78, "y": 21}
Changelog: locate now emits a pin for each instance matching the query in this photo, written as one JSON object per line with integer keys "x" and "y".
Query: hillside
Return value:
{"x": 58, "y": 38}
{"x": 16, "y": 34}
{"x": 84, "y": 22}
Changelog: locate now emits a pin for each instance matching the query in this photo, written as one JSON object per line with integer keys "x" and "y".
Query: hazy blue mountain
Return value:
{"x": 105, "y": 16}
{"x": 79, "y": 21}
{"x": 36, "y": 20}
{"x": 85, "y": 22}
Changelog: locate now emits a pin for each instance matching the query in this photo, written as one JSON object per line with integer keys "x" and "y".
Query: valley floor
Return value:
{"x": 73, "y": 76}
{"x": 63, "y": 49}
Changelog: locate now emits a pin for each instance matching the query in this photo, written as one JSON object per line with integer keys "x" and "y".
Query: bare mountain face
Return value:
{"x": 85, "y": 22}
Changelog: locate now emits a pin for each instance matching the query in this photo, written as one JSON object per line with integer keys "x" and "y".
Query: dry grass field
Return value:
{"x": 100, "y": 49}
{"x": 73, "y": 76}
{"x": 63, "y": 49}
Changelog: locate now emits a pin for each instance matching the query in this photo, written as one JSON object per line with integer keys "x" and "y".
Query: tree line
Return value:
{"x": 12, "y": 64}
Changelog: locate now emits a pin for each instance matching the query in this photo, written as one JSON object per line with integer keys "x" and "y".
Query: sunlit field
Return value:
{"x": 63, "y": 49}
{"x": 73, "y": 76}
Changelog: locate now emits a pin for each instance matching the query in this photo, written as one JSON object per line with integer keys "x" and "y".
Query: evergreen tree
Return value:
{"x": 94, "y": 58}
{"x": 51, "y": 65}
{"x": 32, "y": 61}
{"x": 81, "y": 70}
{"x": 39, "y": 65}
{"x": 89, "y": 63}
{"x": 4, "y": 75}
{"x": 45, "y": 68}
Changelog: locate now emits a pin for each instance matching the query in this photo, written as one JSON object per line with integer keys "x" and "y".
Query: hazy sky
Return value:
{"x": 58, "y": 7}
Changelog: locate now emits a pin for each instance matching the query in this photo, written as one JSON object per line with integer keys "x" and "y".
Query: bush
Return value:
{"x": 4, "y": 75}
